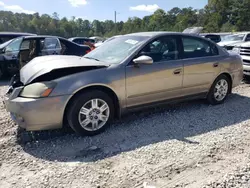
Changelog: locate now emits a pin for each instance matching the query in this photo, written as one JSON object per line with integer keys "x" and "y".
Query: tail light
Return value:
{"x": 88, "y": 51}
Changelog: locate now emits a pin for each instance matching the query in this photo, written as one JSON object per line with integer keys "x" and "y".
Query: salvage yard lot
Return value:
{"x": 190, "y": 144}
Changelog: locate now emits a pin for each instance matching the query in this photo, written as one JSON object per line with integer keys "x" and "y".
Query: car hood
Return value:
{"x": 45, "y": 64}
{"x": 244, "y": 44}
{"x": 229, "y": 43}
{"x": 98, "y": 44}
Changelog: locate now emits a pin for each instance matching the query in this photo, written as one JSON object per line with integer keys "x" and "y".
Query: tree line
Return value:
{"x": 216, "y": 16}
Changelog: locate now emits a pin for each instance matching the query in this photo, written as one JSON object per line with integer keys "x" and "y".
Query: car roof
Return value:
{"x": 43, "y": 36}
{"x": 80, "y": 38}
{"x": 161, "y": 33}
{"x": 16, "y": 33}
{"x": 149, "y": 34}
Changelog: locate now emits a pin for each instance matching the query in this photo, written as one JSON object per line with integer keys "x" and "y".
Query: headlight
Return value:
{"x": 38, "y": 90}
{"x": 236, "y": 50}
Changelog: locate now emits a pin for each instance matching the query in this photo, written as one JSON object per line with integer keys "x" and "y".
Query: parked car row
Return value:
{"x": 15, "y": 53}
{"x": 6, "y": 36}
{"x": 129, "y": 72}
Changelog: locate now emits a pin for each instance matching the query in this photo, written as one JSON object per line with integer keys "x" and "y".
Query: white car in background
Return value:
{"x": 230, "y": 41}
{"x": 244, "y": 50}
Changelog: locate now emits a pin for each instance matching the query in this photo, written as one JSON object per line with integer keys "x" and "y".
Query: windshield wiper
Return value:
{"x": 92, "y": 58}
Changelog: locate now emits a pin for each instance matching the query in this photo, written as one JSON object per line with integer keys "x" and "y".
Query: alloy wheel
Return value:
{"x": 221, "y": 90}
{"x": 94, "y": 114}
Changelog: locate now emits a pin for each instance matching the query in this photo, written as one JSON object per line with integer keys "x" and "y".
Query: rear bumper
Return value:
{"x": 36, "y": 114}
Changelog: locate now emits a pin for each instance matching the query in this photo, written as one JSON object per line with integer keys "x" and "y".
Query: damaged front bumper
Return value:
{"x": 35, "y": 114}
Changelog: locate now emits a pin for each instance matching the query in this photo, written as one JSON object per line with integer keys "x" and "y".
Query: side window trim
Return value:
{"x": 178, "y": 48}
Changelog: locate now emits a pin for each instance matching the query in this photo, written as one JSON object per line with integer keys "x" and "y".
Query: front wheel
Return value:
{"x": 219, "y": 90}
{"x": 90, "y": 113}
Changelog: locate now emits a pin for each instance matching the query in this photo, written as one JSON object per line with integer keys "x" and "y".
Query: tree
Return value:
{"x": 216, "y": 16}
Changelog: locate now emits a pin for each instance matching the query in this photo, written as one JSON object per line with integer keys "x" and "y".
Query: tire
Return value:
{"x": 211, "y": 97}
{"x": 80, "y": 111}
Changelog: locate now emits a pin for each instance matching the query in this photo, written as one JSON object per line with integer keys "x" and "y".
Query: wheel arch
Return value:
{"x": 103, "y": 88}
{"x": 229, "y": 76}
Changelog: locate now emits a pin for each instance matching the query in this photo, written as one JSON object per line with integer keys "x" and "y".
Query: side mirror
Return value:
{"x": 143, "y": 60}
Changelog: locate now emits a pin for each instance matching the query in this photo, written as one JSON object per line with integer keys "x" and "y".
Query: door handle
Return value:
{"x": 215, "y": 64}
{"x": 177, "y": 71}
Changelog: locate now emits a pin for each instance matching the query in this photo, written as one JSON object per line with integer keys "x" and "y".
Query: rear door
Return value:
{"x": 50, "y": 46}
{"x": 201, "y": 64}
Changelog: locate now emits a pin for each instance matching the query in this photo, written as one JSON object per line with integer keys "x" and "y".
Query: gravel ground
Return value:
{"x": 189, "y": 145}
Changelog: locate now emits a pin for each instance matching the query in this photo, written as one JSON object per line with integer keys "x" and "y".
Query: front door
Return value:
{"x": 10, "y": 57}
{"x": 158, "y": 81}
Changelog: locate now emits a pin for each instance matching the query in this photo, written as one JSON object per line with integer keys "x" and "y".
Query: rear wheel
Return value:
{"x": 90, "y": 113}
{"x": 219, "y": 90}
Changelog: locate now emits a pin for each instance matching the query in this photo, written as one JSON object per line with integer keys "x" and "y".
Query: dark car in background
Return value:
{"x": 81, "y": 40}
{"x": 15, "y": 53}
{"x": 213, "y": 37}
{"x": 6, "y": 36}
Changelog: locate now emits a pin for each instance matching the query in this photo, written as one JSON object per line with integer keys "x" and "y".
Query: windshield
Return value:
{"x": 5, "y": 44}
{"x": 238, "y": 37}
{"x": 116, "y": 50}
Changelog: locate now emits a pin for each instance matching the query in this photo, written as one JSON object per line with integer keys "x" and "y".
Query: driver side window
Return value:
{"x": 14, "y": 46}
{"x": 161, "y": 49}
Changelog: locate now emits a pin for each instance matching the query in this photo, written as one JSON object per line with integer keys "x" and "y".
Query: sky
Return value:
{"x": 97, "y": 9}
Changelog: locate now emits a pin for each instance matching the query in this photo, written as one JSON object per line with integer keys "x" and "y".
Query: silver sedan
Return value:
{"x": 129, "y": 72}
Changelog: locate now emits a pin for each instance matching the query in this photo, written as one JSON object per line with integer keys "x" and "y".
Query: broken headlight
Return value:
{"x": 38, "y": 90}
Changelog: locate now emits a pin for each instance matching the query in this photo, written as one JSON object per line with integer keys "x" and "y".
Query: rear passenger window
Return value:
{"x": 194, "y": 47}
{"x": 50, "y": 44}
